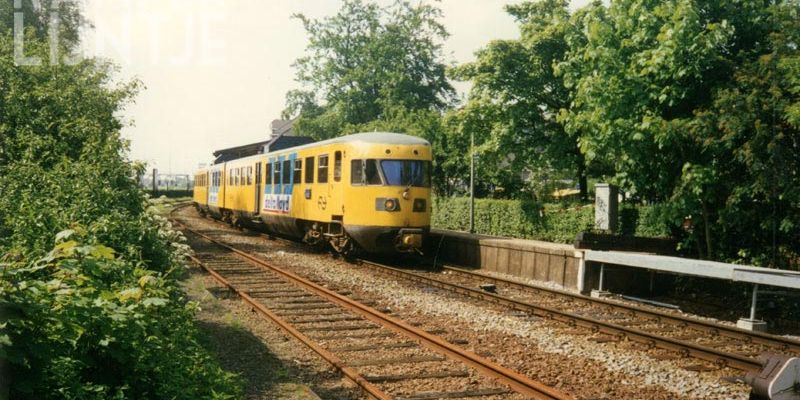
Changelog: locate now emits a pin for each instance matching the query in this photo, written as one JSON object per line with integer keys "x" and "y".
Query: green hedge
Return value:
{"x": 172, "y": 194}
{"x": 558, "y": 222}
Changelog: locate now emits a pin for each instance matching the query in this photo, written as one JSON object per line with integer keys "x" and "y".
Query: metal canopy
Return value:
{"x": 708, "y": 269}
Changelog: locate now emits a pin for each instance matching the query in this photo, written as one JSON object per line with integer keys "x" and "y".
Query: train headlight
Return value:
{"x": 384, "y": 204}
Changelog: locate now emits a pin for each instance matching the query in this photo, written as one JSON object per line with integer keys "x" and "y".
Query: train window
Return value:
{"x": 337, "y": 166}
{"x": 249, "y": 175}
{"x": 276, "y": 173}
{"x": 258, "y": 173}
{"x": 357, "y": 172}
{"x": 309, "y": 169}
{"x": 298, "y": 170}
{"x": 230, "y": 177}
{"x": 287, "y": 172}
{"x": 268, "y": 174}
{"x": 371, "y": 173}
{"x": 322, "y": 170}
{"x": 406, "y": 172}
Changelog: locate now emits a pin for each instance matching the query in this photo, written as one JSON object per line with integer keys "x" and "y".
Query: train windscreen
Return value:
{"x": 406, "y": 172}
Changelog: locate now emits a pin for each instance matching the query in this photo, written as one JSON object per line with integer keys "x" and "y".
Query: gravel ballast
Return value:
{"x": 539, "y": 348}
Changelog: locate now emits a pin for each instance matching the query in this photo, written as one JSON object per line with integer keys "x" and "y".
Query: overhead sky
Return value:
{"x": 215, "y": 72}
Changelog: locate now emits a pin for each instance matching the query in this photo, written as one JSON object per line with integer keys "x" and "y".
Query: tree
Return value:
{"x": 691, "y": 103}
{"x": 517, "y": 95}
{"x": 365, "y": 61}
{"x": 42, "y": 18}
{"x": 89, "y": 292}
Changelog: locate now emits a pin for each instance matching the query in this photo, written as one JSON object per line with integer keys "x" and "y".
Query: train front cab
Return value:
{"x": 388, "y": 194}
{"x": 312, "y": 193}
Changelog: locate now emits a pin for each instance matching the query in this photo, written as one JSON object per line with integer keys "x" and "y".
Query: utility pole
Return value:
{"x": 155, "y": 182}
{"x": 471, "y": 182}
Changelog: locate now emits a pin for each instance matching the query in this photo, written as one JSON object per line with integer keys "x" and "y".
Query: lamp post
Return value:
{"x": 471, "y": 182}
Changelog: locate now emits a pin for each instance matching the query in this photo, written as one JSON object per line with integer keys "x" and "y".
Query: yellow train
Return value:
{"x": 368, "y": 191}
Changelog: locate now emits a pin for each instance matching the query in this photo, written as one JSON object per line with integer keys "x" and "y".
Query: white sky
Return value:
{"x": 216, "y": 71}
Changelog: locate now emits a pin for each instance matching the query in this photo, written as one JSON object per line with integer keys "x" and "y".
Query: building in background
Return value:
{"x": 282, "y": 136}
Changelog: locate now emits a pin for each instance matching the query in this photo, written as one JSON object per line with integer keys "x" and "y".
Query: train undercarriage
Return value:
{"x": 343, "y": 239}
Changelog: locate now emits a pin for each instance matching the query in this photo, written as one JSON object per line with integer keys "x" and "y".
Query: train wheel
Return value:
{"x": 344, "y": 245}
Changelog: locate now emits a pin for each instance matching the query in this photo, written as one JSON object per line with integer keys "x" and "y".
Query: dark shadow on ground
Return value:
{"x": 240, "y": 351}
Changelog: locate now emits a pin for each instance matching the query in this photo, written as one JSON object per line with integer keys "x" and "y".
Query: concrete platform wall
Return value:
{"x": 542, "y": 261}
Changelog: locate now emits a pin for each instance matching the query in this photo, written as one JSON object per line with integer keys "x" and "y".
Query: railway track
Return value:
{"x": 358, "y": 340}
{"x": 735, "y": 338}
{"x": 683, "y": 336}
{"x": 715, "y": 346}
{"x": 718, "y": 344}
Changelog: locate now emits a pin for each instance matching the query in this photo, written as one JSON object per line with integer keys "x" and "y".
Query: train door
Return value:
{"x": 258, "y": 188}
{"x": 336, "y": 187}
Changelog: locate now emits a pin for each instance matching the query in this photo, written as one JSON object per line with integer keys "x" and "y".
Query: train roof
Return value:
{"x": 365, "y": 137}
{"x": 374, "y": 137}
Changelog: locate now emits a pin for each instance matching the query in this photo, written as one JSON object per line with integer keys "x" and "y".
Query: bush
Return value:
{"x": 645, "y": 221}
{"x": 86, "y": 324}
{"x": 512, "y": 218}
{"x": 556, "y": 222}
{"x": 96, "y": 310}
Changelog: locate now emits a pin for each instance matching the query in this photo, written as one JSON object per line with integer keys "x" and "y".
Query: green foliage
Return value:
{"x": 38, "y": 19}
{"x": 366, "y": 61}
{"x": 693, "y": 104}
{"x": 84, "y": 323}
{"x": 91, "y": 305}
{"x": 551, "y": 222}
{"x": 512, "y": 218}
{"x": 646, "y": 221}
{"x": 516, "y": 96}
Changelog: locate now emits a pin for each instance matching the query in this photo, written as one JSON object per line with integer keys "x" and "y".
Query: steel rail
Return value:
{"x": 718, "y": 357}
{"x": 351, "y": 374}
{"x": 778, "y": 342}
{"x": 775, "y": 341}
{"x": 513, "y": 379}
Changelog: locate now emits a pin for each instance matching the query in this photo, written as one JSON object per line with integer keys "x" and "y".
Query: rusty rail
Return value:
{"x": 778, "y": 342}
{"x": 691, "y": 349}
{"x": 372, "y": 390}
{"x": 518, "y": 382}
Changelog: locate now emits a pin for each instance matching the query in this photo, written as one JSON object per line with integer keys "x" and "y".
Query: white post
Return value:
{"x": 600, "y": 292}
{"x": 602, "y": 272}
{"x": 752, "y": 324}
